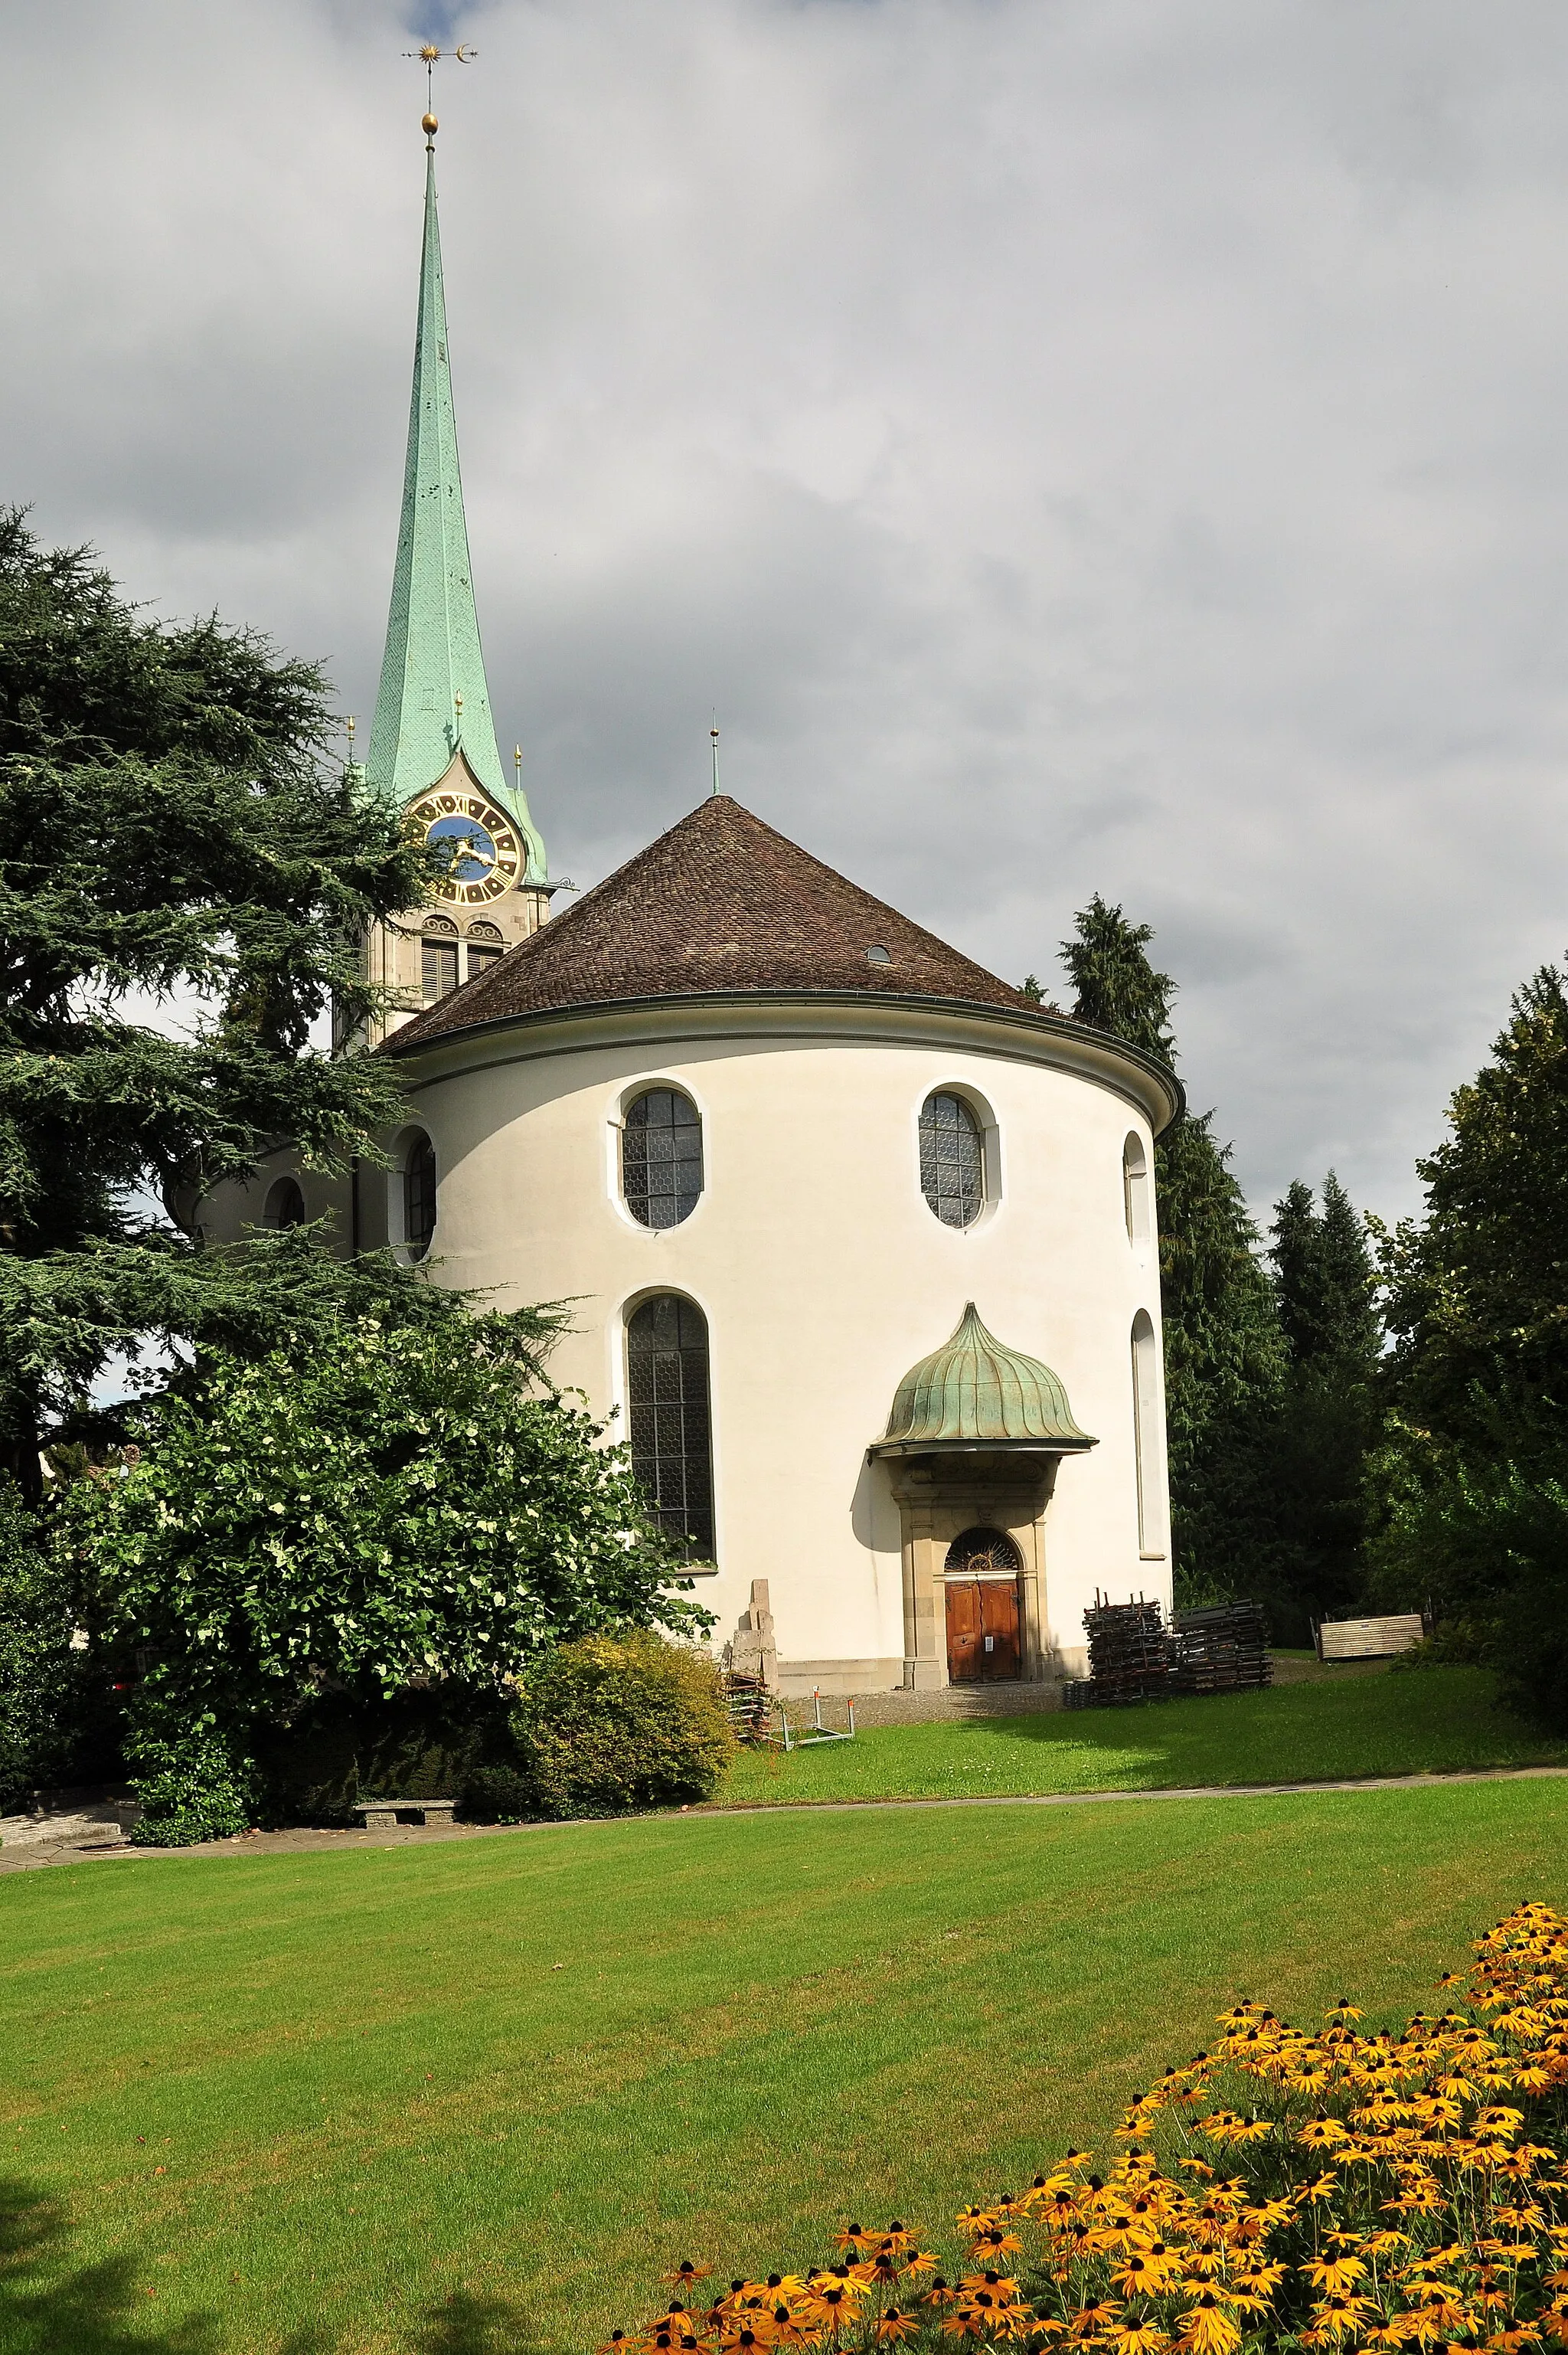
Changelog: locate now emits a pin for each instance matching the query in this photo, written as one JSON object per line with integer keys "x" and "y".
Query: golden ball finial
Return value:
{"x": 428, "y": 125}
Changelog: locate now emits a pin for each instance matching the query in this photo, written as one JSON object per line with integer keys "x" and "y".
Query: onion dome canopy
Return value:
{"x": 975, "y": 1394}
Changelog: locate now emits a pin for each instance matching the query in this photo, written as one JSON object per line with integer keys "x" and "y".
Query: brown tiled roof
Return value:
{"x": 720, "y": 905}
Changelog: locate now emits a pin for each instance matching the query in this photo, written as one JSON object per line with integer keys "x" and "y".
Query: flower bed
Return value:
{"x": 1283, "y": 2188}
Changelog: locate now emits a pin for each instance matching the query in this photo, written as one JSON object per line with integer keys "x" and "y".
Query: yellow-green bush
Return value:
{"x": 613, "y": 1722}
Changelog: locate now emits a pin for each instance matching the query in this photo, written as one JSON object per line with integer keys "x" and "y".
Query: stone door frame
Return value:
{"x": 940, "y": 1496}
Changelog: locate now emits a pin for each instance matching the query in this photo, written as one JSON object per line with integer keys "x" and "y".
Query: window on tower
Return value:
{"x": 662, "y": 1158}
{"x": 486, "y": 947}
{"x": 439, "y": 959}
{"x": 670, "y": 1420}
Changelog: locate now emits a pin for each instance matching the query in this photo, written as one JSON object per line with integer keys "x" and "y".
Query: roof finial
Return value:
{"x": 714, "y": 734}
{"x": 429, "y": 57}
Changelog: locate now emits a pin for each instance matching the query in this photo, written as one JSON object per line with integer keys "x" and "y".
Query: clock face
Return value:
{"x": 488, "y": 859}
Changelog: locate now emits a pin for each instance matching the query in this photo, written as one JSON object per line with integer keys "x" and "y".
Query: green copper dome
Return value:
{"x": 974, "y": 1393}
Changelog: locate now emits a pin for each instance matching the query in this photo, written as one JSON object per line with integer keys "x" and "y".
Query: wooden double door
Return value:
{"x": 983, "y": 1646}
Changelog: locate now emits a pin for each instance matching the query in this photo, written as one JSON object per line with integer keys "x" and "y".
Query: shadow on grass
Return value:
{"x": 475, "y": 2326}
{"x": 48, "y": 2309}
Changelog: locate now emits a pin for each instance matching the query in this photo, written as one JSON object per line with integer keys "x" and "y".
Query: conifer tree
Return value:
{"x": 1325, "y": 1280}
{"x": 1325, "y": 1287}
{"x": 1224, "y": 1355}
{"x": 1474, "y": 1473}
{"x": 168, "y": 829}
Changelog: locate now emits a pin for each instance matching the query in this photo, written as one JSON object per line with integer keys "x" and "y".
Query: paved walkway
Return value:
{"x": 32, "y": 1853}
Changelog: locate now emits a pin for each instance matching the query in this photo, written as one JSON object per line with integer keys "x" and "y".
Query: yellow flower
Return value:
{"x": 1334, "y": 2273}
{"x": 1144, "y": 2338}
{"x": 1207, "y": 2329}
{"x": 894, "y": 2326}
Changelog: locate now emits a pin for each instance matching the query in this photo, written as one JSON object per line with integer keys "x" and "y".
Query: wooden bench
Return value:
{"x": 382, "y": 1815}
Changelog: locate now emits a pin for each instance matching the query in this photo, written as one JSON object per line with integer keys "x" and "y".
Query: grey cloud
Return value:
{"x": 1079, "y": 444}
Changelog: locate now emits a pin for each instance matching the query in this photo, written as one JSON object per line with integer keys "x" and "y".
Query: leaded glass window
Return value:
{"x": 662, "y": 1158}
{"x": 952, "y": 1162}
{"x": 667, "y": 1392}
{"x": 419, "y": 1197}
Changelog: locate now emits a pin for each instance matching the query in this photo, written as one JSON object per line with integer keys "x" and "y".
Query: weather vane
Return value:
{"x": 429, "y": 57}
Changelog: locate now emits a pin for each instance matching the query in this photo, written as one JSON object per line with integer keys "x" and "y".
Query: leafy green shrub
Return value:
{"x": 497, "y": 1795}
{"x": 1453, "y": 1644}
{"x": 617, "y": 1721}
{"x": 41, "y": 1676}
{"x": 192, "y": 1787}
{"x": 390, "y": 1510}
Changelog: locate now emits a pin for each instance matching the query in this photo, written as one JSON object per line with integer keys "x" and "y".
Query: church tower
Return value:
{"x": 432, "y": 741}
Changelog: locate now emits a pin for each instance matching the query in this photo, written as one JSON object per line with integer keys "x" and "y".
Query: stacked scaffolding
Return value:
{"x": 1129, "y": 1656}
{"x": 1133, "y": 1657}
{"x": 1222, "y": 1650}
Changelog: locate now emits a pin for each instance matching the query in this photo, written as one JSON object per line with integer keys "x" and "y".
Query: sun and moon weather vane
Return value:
{"x": 429, "y": 57}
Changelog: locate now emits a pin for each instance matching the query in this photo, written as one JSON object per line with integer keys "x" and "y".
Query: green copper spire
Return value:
{"x": 433, "y": 655}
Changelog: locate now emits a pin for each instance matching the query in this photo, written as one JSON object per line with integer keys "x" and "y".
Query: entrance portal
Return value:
{"x": 981, "y": 1584}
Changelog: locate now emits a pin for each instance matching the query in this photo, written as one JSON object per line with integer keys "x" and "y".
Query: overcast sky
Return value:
{"x": 1078, "y": 445}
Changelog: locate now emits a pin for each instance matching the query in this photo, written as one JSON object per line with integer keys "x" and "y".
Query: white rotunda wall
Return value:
{"x": 822, "y": 1272}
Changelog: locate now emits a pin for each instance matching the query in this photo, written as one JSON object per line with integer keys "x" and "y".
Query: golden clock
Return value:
{"x": 486, "y": 858}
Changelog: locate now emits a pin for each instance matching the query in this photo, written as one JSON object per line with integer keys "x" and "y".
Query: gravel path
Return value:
{"x": 35, "y": 1848}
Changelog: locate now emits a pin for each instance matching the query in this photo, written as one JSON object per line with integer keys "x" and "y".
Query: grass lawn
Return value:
{"x": 465, "y": 2097}
{"x": 1431, "y": 1720}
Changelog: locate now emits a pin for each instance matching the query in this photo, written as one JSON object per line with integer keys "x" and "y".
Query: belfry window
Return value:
{"x": 662, "y": 1158}
{"x": 952, "y": 1161}
{"x": 668, "y": 1418}
{"x": 418, "y": 1196}
{"x": 437, "y": 959}
{"x": 485, "y": 948}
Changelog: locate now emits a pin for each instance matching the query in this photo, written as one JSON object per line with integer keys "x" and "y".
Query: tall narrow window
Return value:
{"x": 952, "y": 1164}
{"x": 1135, "y": 1189}
{"x": 419, "y": 1197}
{"x": 667, "y": 1392}
{"x": 286, "y": 1204}
{"x": 1145, "y": 1436}
{"x": 662, "y": 1158}
{"x": 437, "y": 965}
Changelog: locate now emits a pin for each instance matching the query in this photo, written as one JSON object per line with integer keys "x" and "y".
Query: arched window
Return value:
{"x": 285, "y": 1204}
{"x": 1145, "y": 1435}
{"x": 667, "y": 1394}
{"x": 439, "y": 959}
{"x": 984, "y": 1553}
{"x": 418, "y": 1196}
{"x": 1135, "y": 1189}
{"x": 485, "y": 948}
{"x": 952, "y": 1162}
{"x": 662, "y": 1158}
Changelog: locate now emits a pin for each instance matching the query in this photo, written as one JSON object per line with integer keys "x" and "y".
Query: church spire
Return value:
{"x": 433, "y": 700}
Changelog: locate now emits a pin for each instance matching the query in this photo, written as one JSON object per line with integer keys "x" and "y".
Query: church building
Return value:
{"x": 858, "y": 1239}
